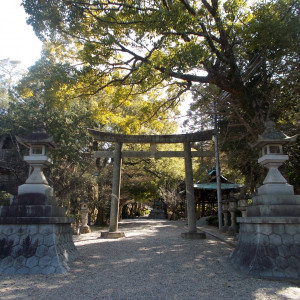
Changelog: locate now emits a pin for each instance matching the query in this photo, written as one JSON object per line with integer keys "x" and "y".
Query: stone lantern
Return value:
{"x": 39, "y": 144}
{"x": 85, "y": 228}
{"x": 243, "y": 203}
{"x": 272, "y": 157}
{"x": 269, "y": 240}
{"x": 34, "y": 228}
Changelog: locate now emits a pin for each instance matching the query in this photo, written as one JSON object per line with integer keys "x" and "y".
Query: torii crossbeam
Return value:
{"x": 187, "y": 154}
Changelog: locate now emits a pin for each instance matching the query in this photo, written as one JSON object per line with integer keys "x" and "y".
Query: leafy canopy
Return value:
{"x": 169, "y": 45}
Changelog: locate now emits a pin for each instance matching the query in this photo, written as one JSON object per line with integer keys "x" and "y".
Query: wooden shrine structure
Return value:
{"x": 118, "y": 155}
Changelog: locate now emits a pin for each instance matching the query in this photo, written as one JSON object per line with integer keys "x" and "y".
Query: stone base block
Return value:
{"x": 36, "y": 249}
{"x": 269, "y": 250}
{"x": 276, "y": 199}
{"x": 224, "y": 229}
{"x": 35, "y": 189}
{"x": 157, "y": 214}
{"x": 193, "y": 235}
{"x": 85, "y": 229}
{"x": 232, "y": 230}
{"x": 112, "y": 235}
{"x": 276, "y": 189}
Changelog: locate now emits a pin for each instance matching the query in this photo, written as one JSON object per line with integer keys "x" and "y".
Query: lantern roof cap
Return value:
{"x": 38, "y": 137}
{"x": 272, "y": 136}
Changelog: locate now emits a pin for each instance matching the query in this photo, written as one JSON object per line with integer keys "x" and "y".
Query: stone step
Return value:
{"x": 276, "y": 200}
{"x": 34, "y": 199}
{"x": 35, "y": 220}
{"x": 32, "y": 211}
{"x": 273, "y": 211}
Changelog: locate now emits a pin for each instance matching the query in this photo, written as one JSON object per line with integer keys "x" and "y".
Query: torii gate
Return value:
{"x": 117, "y": 155}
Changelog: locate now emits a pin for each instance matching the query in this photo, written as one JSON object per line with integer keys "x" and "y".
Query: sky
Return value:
{"x": 17, "y": 39}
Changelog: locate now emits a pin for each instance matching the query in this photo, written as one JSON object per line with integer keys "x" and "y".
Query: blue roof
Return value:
{"x": 213, "y": 186}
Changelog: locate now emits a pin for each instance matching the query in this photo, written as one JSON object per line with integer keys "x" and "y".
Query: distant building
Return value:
{"x": 206, "y": 193}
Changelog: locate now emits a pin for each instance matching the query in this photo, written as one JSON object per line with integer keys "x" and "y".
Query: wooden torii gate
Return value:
{"x": 118, "y": 154}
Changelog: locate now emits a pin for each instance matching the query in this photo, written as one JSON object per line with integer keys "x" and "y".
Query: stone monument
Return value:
{"x": 35, "y": 234}
{"x": 269, "y": 237}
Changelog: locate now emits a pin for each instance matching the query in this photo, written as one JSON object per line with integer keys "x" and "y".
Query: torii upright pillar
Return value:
{"x": 115, "y": 196}
{"x": 190, "y": 196}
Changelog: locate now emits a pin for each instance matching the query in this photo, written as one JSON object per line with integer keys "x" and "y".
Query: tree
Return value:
{"x": 273, "y": 33}
{"x": 10, "y": 72}
{"x": 165, "y": 44}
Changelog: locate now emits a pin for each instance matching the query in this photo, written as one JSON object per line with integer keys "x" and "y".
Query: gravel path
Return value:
{"x": 152, "y": 262}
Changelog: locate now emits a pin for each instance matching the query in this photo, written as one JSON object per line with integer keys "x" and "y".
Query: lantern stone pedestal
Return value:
{"x": 35, "y": 234}
{"x": 232, "y": 229}
{"x": 243, "y": 204}
{"x": 225, "y": 213}
{"x": 84, "y": 228}
{"x": 269, "y": 237}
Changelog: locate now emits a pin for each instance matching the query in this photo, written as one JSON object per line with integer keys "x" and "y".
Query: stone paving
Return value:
{"x": 153, "y": 262}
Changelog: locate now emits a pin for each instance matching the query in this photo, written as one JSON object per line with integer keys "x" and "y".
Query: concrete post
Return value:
{"x": 115, "y": 196}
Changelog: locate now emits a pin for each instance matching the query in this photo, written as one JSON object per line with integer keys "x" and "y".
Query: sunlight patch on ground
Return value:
{"x": 290, "y": 293}
{"x": 285, "y": 293}
{"x": 94, "y": 237}
{"x": 140, "y": 233}
{"x": 212, "y": 242}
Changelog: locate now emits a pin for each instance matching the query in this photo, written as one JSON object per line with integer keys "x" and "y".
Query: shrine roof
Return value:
{"x": 41, "y": 138}
{"x": 213, "y": 186}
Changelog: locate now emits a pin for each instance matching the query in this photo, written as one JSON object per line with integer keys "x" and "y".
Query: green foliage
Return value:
{"x": 273, "y": 89}
{"x": 4, "y": 198}
{"x": 144, "y": 211}
{"x": 147, "y": 45}
{"x": 138, "y": 46}
{"x": 213, "y": 220}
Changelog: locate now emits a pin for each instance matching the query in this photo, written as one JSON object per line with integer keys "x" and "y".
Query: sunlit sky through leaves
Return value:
{"x": 18, "y": 41}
